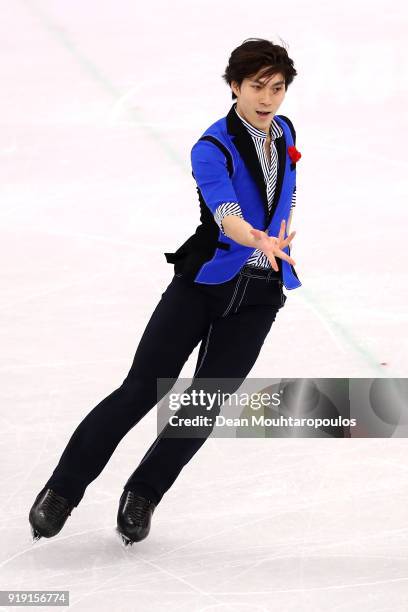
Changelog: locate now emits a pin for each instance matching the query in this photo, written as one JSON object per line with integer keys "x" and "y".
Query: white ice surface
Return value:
{"x": 95, "y": 95}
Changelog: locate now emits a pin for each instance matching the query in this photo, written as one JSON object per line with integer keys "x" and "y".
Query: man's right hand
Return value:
{"x": 272, "y": 246}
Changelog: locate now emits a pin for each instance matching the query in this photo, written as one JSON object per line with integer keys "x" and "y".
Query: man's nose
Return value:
{"x": 266, "y": 99}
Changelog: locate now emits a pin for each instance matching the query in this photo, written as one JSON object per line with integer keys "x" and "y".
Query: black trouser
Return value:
{"x": 231, "y": 320}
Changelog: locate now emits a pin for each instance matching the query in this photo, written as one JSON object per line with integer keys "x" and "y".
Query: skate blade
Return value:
{"x": 35, "y": 535}
{"x": 124, "y": 539}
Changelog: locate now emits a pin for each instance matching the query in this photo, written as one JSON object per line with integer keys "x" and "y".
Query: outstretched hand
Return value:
{"x": 272, "y": 246}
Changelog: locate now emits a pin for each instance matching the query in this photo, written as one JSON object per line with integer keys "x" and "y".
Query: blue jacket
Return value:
{"x": 226, "y": 168}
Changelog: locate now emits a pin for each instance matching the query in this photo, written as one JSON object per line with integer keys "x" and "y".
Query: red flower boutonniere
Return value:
{"x": 294, "y": 154}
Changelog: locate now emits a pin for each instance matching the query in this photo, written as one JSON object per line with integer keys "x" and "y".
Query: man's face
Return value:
{"x": 259, "y": 94}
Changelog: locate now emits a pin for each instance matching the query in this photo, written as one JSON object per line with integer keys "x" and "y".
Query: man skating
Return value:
{"x": 225, "y": 294}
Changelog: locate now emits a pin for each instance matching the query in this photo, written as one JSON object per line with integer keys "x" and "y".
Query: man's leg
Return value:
{"x": 229, "y": 350}
{"x": 177, "y": 325}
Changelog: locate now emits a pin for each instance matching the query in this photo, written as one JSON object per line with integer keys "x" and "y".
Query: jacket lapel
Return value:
{"x": 280, "y": 145}
{"x": 246, "y": 148}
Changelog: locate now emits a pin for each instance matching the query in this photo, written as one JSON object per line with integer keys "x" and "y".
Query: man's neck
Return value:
{"x": 267, "y": 132}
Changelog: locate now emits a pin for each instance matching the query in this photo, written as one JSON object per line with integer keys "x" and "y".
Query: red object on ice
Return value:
{"x": 294, "y": 154}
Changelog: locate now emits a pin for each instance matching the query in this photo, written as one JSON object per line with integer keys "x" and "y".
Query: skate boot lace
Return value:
{"x": 137, "y": 507}
{"x": 54, "y": 505}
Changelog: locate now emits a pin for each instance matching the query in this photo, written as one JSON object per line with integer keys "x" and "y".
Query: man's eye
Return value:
{"x": 259, "y": 87}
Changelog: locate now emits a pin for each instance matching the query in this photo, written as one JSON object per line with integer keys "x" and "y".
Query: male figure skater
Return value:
{"x": 225, "y": 293}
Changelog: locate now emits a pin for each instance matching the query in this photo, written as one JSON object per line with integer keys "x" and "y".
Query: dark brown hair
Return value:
{"x": 253, "y": 55}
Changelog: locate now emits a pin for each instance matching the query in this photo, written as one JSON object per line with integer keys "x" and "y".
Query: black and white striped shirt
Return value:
{"x": 270, "y": 172}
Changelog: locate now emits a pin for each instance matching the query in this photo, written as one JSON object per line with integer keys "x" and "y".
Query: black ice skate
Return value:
{"x": 48, "y": 514}
{"x": 134, "y": 517}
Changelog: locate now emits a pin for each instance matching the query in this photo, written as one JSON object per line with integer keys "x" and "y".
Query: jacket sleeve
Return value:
{"x": 211, "y": 175}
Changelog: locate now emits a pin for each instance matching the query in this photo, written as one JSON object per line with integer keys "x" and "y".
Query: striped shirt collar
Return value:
{"x": 275, "y": 131}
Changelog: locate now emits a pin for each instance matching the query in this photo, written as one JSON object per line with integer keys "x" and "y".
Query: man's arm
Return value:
{"x": 211, "y": 175}
{"x": 239, "y": 230}
{"x": 231, "y": 226}
{"x": 228, "y": 216}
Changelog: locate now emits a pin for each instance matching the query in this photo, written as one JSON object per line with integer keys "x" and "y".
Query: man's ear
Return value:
{"x": 234, "y": 87}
